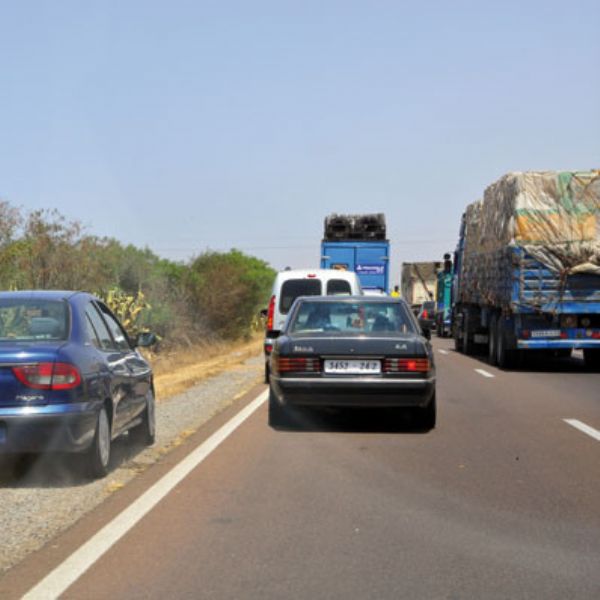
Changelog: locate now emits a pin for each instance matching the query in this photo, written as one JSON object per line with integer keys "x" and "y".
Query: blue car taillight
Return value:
{"x": 48, "y": 376}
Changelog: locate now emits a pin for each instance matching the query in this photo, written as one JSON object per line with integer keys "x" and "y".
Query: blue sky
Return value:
{"x": 183, "y": 126}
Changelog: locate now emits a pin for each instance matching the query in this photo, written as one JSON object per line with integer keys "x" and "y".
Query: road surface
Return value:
{"x": 501, "y": 500}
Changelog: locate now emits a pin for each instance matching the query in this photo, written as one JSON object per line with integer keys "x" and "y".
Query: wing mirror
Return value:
{"x": 145, "y": 339}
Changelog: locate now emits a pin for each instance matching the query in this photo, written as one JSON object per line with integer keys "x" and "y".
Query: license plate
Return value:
{"x": 353, "y": 367}
{"x": 546, "y": 333}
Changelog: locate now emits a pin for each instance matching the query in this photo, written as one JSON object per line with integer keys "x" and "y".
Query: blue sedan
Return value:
{"x": 70, "y": 378}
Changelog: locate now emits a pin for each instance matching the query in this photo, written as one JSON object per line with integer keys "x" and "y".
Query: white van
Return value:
{"x": 291, "y": 284}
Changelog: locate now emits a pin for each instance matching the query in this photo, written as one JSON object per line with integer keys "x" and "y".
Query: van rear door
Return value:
{"x": 292, "y": 289}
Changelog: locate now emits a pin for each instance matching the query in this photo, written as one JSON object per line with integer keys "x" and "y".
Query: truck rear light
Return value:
{"x": 48, "y": 376}
{"x": 406, "y": 365}
{"x": 271, "y": 313}
{"x": 425, "y": 314}
{"x": 304, "y": 365}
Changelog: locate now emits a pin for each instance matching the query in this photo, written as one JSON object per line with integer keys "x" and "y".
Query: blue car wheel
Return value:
{"x": 99, "y": 452}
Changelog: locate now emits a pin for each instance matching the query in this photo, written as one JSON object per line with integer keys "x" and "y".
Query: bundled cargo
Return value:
{"x": 528, "y": 267}
{"x": 553, "y": 216}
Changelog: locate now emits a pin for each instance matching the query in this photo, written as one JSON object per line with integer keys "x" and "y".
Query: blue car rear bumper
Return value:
{"x": 58, "y": 427}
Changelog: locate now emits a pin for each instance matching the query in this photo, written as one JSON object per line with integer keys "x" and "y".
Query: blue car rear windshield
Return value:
{"x": 360, "y": 318}
{"x": 26, "y": 320}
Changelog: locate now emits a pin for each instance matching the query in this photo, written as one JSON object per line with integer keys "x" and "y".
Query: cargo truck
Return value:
{"x": 358, "y": 243}
{"x": 527, "y": 269}
{"x": 443, "y": 307}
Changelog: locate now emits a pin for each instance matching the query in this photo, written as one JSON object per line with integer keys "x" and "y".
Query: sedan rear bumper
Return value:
{"x": 353, "y": 391}
{"x": 60, "y": 428}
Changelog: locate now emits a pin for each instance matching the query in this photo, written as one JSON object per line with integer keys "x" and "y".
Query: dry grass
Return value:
{"x": 175, "y": 372}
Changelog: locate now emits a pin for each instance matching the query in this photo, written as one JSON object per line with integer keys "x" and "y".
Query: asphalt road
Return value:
{"x": 501, "y": 500}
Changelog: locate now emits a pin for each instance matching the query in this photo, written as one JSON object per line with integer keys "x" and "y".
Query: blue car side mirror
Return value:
{"x": 146, "y": 339}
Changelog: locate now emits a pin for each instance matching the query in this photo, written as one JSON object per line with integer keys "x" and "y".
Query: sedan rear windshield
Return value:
{"x": 293, "y": 288}
{"x": 23, "y": 320}
{"x": 359, "y": 318}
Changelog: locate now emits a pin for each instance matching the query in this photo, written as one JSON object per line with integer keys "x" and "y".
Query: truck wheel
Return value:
{"x": 457, "y": 335}
{"x": 505, "y": 358}
{"x": 492, "y": 346}
{"x": 467, "y": 341}
{"x": 591, "y": 356}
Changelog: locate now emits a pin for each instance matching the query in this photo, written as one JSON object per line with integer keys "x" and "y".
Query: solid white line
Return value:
{"x": 443, "y": 351}
{"x": 484, "y": 373}
{"x": 583, "y": 427}
{"x": 56, "y": 582}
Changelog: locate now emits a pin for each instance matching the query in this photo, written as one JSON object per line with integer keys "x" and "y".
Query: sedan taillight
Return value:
{"x": 48, "y": 376}
{"x": 406, "y": 365}
{"x": 305, "y": 365}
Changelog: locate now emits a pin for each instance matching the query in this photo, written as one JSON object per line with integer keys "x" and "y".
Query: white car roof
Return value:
{"x": 316, "y": 274}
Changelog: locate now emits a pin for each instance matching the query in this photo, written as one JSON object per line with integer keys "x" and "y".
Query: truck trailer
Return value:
{"x": 358, "y": 243}
{"x": 527, "y": 268}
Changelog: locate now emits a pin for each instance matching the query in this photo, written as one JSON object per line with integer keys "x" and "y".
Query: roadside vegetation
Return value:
{"x": 215, "y": 297}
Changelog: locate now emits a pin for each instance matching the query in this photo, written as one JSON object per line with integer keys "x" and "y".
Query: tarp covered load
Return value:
{"x": 554, "y": 216}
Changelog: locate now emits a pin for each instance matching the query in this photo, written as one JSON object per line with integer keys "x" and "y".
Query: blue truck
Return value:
{"x": 527, "y": 269}
{"x": 358, "y": 243}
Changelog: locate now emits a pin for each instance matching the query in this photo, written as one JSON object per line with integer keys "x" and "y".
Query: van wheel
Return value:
{"x": 98, "y": 457}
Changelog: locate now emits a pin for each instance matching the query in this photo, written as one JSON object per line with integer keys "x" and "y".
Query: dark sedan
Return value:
{"x": 352, "y": 352}
{"x": 70, "y": 378}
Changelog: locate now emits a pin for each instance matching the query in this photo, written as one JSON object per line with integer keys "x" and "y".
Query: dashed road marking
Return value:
{"x": 583, "y": 427}
{"x": 443, "y": 351}
{"x": 484, "y": 373}
{"x": 57, "y": 581}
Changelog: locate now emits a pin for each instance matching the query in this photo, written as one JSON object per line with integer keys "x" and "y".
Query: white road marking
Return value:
{"x": 57, "y": 582}
{"x": 583, "y": 427}
{"x": 443, "y": 351}
{"x": 484, "y": 373}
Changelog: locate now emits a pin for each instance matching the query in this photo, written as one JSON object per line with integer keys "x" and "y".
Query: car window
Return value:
{"x": 90, "y": 332}
{"x": 118, "y": 333}
{"x": 293, "y": 288}
{"x": 338, "y": 286}
{"x": 361, "y": 318}
{"x": 103, "y": 335}
{"x": 27, "y": 319}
